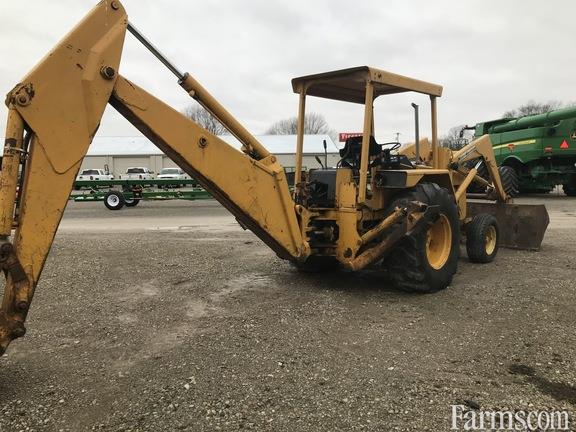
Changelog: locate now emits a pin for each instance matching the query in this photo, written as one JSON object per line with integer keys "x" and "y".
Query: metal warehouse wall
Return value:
{"x": 118, "y": 164}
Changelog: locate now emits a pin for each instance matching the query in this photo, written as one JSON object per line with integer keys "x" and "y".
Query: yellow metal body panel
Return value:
{"x": 425, "y": 150}
{"x": 75, "y": 64}
{"x": 348, "y": 216}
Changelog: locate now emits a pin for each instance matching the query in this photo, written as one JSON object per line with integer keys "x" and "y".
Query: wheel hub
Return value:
{"x": 439, "y": 242}
{"x": 491, "y": 240}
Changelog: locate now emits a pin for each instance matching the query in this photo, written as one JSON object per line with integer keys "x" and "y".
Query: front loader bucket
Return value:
{"x": 522, "y": 226}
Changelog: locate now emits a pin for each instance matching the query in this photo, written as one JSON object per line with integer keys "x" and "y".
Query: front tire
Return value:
{"x": 482, "y": 238}
{"x": 426, "y": 261}
{"x": 131, "y": 202}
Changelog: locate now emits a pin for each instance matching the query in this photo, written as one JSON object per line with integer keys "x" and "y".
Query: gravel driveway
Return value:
{"x": 179, "y": 320}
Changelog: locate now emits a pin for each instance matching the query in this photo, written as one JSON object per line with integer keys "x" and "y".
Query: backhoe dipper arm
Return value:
{"x": 53, "y": 115}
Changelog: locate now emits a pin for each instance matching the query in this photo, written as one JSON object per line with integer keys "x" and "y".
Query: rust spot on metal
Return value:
{"x": 22, "y": 94}
{"x": 9, "y": 263}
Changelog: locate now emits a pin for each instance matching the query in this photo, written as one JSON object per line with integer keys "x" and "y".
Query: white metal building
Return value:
{"x": 119, "y": 153}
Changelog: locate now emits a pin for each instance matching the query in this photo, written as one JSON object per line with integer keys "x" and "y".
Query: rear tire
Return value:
{"x": 114, "y": 200}
{"x": 317, "y": 264}
{"x": 482, "y": 237}
{"x": 131, "y": 202}
{"x": 426, "y": 261}
{"x": 510, "y": 180}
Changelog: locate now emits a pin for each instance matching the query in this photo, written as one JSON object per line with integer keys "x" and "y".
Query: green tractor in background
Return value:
{"x": 535, "y": 153}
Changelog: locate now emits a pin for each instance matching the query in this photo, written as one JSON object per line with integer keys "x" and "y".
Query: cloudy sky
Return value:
{"x": 489, "y": 55}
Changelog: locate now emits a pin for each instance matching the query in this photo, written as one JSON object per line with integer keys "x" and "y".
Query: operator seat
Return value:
{"x": 352, "y": 151}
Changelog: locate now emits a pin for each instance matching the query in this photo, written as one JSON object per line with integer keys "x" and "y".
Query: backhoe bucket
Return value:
{"x": 522, "y": 226}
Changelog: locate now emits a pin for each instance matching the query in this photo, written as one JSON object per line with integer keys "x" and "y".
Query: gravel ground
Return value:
{"x": 199, "y": 327}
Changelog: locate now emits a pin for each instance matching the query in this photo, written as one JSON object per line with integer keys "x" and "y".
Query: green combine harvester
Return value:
{"x": 535, "y": 153}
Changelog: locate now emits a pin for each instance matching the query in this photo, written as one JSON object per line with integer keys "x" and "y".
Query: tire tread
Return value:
{"x": 510, "y": 180}
{"x": 475, "y": 238}
{"x": 405, "y": 266}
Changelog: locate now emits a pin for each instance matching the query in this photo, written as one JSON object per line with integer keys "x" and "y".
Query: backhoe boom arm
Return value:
{"x": 255, "y": 191}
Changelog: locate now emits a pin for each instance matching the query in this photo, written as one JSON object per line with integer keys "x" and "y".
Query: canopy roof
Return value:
{"x": 349, "y": 85}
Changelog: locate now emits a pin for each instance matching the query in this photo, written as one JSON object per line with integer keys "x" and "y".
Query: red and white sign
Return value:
{"x": 564, "y": 145}
{"x": 343, "y": 136}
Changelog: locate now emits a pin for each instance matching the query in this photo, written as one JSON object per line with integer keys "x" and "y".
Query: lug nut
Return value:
{"x": 22, "y": 306}
{"x": 5, "y": 251}
{"x": 18, "y": 332}
{"x": 107, "y": 72}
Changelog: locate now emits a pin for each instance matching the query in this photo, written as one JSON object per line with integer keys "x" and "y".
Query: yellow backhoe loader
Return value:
{"x": 400, "y": 210}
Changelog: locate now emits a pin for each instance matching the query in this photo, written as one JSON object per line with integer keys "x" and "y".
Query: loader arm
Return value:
{"x": 53, "y": 115}
{"x": 482, "y": 148}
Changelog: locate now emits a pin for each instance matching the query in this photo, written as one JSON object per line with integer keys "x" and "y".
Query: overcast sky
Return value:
{"x": 489, "y": 55}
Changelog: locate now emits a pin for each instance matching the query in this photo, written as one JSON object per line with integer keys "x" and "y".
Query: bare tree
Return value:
{"x": 456, "y": 137}
{"x": 200, "y": 115}
{"x": 532, "y": 108}
{"x": 314, "y": 124}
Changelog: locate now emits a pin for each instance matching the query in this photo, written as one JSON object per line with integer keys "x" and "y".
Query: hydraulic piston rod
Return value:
{"x": 150, "y": 46}
{"x": 10, "y": 165}
{"x": 251, "y": 145}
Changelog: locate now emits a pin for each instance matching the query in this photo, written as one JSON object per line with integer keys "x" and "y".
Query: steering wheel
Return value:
{"x": 395, "y": 145}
